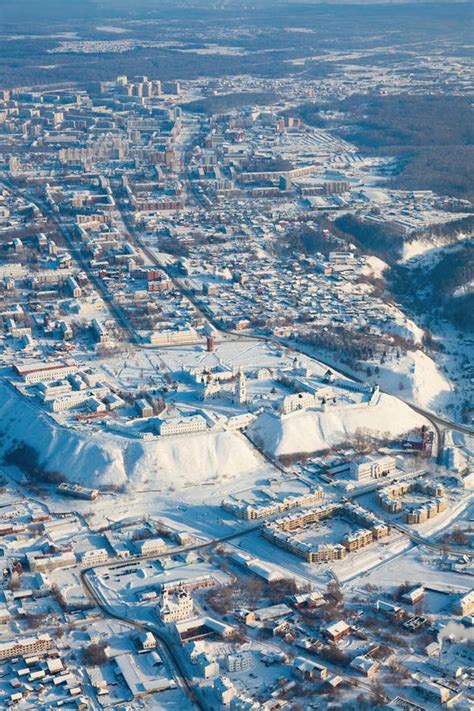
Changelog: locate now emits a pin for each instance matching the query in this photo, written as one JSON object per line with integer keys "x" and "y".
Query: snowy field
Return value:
{"x": 104, "y": 459}
{"x": 415, "y": 565}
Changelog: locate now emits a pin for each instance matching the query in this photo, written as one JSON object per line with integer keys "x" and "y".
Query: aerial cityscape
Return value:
{"x": 236, "y": 355}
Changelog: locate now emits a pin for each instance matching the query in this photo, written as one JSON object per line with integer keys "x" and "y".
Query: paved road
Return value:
{"x": 410, "y": 533}
{"x": 211, "y": 543}
{"x": 170, "y": 654}
{"x": 438, "y": 423}
{"x": 440, "y": 547}
{"x": 70, "y": 239}
{"x": 441, "y": 421}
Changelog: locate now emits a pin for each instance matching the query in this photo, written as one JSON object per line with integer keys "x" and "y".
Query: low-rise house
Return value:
{"x": 336, "y": 630}
{"x": 207, "y": 666}
{"x": 433, "y": 691}
{"x": 245, "y": 616}
{"x": 144, "y": 408}
{"x": 239, "y": 662}
{"x": 224, "y": 690}
{"x": 40, "y": 562}
{"x": 465, "y": 604}
{"x": 307, "y": 669}
{"x": 4, "y": 614}
{"x": 94, "y": 556}
{"x": 273, "y": 612}
{"x": 25, "y": 646}
{"x": 146, "y": 641}
{"x": 150, "y": 546}
{"x": 413, "y": 597}
{"x": 365, "y": 665}
{"x": 183, "y": 425}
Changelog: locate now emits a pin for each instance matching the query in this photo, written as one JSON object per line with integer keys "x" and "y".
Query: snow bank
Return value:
{"x": 416, "y": 248}
{"x": 402, "y": 326}
{"x": 379, "y": 196}
{"x": 431, "y": 249}
{"x": 192, "y": 459}
{"x": 374, "y": 267}
{"x": 465, "y": 441}
{"x": 314, "y": 430}
{"x": 101, "y": 459}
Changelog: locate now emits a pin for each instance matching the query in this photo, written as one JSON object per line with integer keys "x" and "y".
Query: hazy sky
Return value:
{"x": 30, "y": 12}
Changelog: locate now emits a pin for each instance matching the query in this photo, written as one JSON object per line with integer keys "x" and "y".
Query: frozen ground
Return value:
{"x": 100, "y": 458}
{"x": 428, "y": 249}
{"x": 374, "y": 267}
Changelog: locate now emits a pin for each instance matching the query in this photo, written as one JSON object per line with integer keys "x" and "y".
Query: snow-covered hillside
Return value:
{"x": 404, "y": 327}
{"x": 105, "y": 459}
{"x": 313, "y": 430}
{"x": 429, "y": 249}
{"x": 416, "y": 377}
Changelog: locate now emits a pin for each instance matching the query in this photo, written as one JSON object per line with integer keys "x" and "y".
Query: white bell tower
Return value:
{"x": 241, "y": 388}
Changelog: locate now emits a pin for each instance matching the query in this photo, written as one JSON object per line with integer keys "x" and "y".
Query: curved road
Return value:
{"x": 167, "y": 645}
{"x": 421, "y": 540}
{"x": 174, "y": 662}
{"x": 435, "y": 420}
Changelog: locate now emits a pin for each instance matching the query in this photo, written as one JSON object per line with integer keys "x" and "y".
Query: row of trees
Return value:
{"x": 223, "y": 103}
{"x": 428, "y": 289}
{"x": 26, "y": 458}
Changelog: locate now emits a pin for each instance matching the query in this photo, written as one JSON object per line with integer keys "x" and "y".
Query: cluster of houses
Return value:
{"x": 254, "y": 511}
{"x": 390, "y": 499}
{"x": 288, "y": 532}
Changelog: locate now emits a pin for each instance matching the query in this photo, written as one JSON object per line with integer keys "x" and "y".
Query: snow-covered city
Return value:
{"x": 236, "y": 359}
